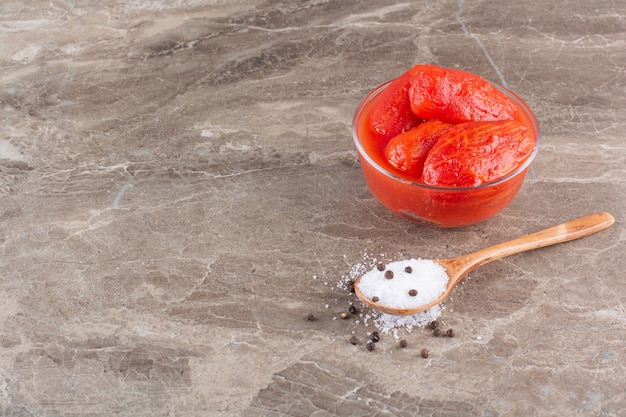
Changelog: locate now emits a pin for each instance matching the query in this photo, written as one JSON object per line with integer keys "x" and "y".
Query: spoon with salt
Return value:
{"x": 457, "y": 268}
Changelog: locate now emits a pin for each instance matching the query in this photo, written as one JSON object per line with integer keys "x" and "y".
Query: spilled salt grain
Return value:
{"x": 426, "y": 277}
{"x": 388, "y": 323}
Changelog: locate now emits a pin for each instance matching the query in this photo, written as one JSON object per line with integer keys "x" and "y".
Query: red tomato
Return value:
{"x": 475, "y": 153}
{"x": 408, "y": 150}
{"x": 391, "y": 109}
{"x": 456, "y": 96}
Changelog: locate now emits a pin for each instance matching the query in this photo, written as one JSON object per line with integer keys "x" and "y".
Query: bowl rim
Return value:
{"x": 522, "y": 168}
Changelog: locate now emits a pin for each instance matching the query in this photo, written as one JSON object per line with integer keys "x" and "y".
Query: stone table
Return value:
{"x": 179, "y": 191}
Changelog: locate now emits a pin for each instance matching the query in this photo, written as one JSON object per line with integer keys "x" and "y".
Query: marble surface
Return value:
{"x": 179, "y": 191}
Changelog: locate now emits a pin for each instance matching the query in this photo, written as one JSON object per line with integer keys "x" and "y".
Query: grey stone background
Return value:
{"x": 179, "y": 190}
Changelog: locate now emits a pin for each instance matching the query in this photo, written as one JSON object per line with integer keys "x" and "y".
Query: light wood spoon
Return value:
{"x": 457, "y": 268}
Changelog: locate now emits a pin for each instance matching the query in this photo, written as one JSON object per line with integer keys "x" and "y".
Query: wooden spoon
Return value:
{"x": 457, "y": 268}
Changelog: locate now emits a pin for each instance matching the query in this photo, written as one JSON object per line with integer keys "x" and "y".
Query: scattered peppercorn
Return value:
{"x": 375, "y": 299}
{"x": 403, "y": 343}
{"x": 351, "y": 286}
{"x": 354, "y": 340}
{"x": 434, "y": 324}
{"x": 389, "y": 274}
{"x": 436, "y": 332}
{"x": 380, "y": 266}
{"x": 352, "y": 310}
{"x": 375, "y": 337}
{"x": 371, "y": 346}
{"x": 412, "y": 293}
{"x": 450, "y": 333}
{"x": 424, "y": 353}
{"x": 311, "y": 317}
{"x": 343, "y": 315}
{"x": 408, "y": 269}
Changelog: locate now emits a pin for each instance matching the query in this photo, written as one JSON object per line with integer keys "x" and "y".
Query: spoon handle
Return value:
{"x": 564, "y": 232}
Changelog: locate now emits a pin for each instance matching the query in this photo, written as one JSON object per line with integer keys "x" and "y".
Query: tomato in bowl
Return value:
{"x": 448, "y": 168}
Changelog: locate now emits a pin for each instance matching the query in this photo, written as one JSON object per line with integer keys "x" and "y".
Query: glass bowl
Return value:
{"x": 433, "y": 205}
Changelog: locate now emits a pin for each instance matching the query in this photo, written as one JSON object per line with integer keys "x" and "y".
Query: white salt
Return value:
{"x": 427, "y": 280}
{"x": 387, "y": 323}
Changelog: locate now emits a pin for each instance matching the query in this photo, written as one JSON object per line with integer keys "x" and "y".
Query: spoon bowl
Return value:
{"x": 458, "y": 268}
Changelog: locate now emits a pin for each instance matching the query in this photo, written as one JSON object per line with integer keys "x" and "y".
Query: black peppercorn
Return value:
{"x": 380, "y": 266}
{"x": 424, "y": 353}
{"x": 403, "y": 343}
{"x": 351, "y": 286}
{"x": 352, "y": 310}
{"x": 408, "y": 269}
{"x": 413, "y": 293}
{"x": 311, "y": 317}
{"x": 450, "y": 333}
{"x": 375, "y": 337}
{"x": 371, "y": 346}
{"x": 375, "y": 299}
{"x": 434, "y": 324}
{"x": 354, "y": 340}
{"x": 389, "y": 274}
{"x": 436, "y": 332}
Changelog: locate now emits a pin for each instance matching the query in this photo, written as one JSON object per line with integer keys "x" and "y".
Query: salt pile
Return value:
{"x": 388, "y": 323}
{"x": 405, "y": 284}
